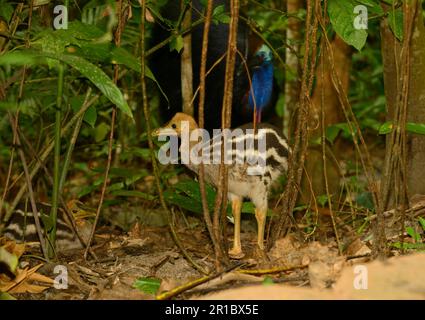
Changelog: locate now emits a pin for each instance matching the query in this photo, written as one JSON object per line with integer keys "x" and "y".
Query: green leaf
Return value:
{"x": 133, "y": 193}
{"x": 6, "y": 296}
{"x": 86, "y": 68}
{"x": 121, "y": 56}
{"x": 322, "y": 200}
{"x": 99, "y": 79}
{"x": 418, "y": 128}
{"x": 101, "y": 131}
{"x": 176, "y": 43}
{"x": 84, "y": 31}
{"x": 268, "y": 281}
{"x": 6, "y": 10}
{"x": 373, "y": 6}
{"x": 182, "y": 201}
{"x": 116, "y": 187}
{"x": 219, "y": 15}
{"x": 90, "y": 116}
{"x": 331, "y": 133}
{"x": 147, "y": 285}
{"x": 143, "y": 153}
{"x": 395, "y": 20}
{"x": 412, "y": 246}
{"x": 248, "y": 207}
{"x": 342, "y": 16}
{"x": 8, "y": 259}
{"x": 412, "y": 233}
{"x": 422, "y": 222}
{"x": 386, "y": 128}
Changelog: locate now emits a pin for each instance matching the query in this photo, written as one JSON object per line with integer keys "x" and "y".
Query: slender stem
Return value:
{"x": 45, "y": 153}
{"x": 146, "y": 112}
{"x": 67, "y": 159}
{"x": 56, "y": 168}
{"x": 202, "y": 78}
{"x": 14, "y": 124}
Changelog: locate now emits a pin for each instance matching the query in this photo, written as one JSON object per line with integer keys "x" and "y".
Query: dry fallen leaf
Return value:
{"x": 22, "y": 282}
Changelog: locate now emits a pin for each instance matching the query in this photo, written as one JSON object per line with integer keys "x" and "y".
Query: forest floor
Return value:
{"x": 295, "y": 268}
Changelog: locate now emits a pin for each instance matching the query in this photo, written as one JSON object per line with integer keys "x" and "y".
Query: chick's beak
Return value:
{"x": 165, "y": 131}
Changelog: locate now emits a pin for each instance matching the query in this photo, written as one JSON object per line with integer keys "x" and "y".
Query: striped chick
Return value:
{"x": 256, "y": 159}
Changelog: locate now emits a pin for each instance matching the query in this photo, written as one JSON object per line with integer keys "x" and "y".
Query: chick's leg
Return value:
{"x": 236, "y": 251}
{"x": 260, "y": 215}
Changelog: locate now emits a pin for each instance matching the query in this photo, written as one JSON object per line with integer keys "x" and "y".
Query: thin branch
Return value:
{"x": 14, "y": 124}
{"x": 146, "y": 112}
{"x": 201, "y": 115}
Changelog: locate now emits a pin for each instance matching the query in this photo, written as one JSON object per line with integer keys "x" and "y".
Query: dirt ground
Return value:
{"x": 295, "y": 269}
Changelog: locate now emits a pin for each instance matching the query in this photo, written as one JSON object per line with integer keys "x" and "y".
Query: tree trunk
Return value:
{"x": 324, "y": 93}
{"x": 292, "y": 85}
{"x": 391, "y": 56}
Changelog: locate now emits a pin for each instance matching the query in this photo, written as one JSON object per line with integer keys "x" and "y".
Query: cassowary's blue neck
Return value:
{"x": 262, "y": 88}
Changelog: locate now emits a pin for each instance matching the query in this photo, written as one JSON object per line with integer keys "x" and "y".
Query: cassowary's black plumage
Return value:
{"x": 166, "y": 68}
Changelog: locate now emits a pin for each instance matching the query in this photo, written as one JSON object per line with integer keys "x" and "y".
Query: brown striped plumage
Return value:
{"x": 21, "y": 227}
{"x": 242, "y": 183}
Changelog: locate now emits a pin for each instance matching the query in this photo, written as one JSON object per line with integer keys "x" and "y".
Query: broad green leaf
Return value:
{"x": 331, "y": 133}
{"x": 187, "y": 195}
{"x": 182, "y": 201}
{"x": 6, "y": 10}
{"x": 8, "y": 259}
{"x": 248, "y": 207}
{"x": 395, "y": 20}
{"x": 422, "y": 222}
{"x": 90, "y": 116}
{"x": 373, "y": 6}
{"x": 322, "y": 200}
{"x": 147, "y": 285}
{"x": 268, "y": 281}
{"x": 101, "y": 131}
{"x": 410, "y": 246}
{"x": 411, "y": 232}
{"x": 116, "y": 187}
{"x": 342, "y": 16}
{"x": 143, "y": 153}
{"x": 21, "y": 58}
{"x": 386, "y": 128}
{"x": 86, "y": 190}
{"x": 133, "y": 193}
{"x": 122, "y": 56}
{"x": 418, "y": 128}
{"x": 99, "y": 79}
{"x": 6, "y": 296}
{"x": 86, "y": 68}
{"x": 219, "y": 15}
{"x": 176, "y": 43}
{"x": 365, "y": 200}
{"x": 84, "y": 31}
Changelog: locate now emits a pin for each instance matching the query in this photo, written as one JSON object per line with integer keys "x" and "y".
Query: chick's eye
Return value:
{"x": 173, "y": 126}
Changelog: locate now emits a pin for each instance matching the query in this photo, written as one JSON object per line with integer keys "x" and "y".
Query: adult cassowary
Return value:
{"x": 165, "y": 65}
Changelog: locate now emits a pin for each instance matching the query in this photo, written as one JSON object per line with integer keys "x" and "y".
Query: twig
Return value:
{"x": 56, "y": 156}
{"x": 323, "y": 132}
{"x": 201, "y": 106}
{"x": 14, "y": 124}
{"x": 270, "y": 271}
{"x": 297, "y": 156}
{"x": 117, "y": 39}
{"x": 50, "y": 179}
{"x": 176, "y": 291}
{"x": 186, "y": 69}
{"x": 146, "y": 112}
{"x": 45, "y": 153}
